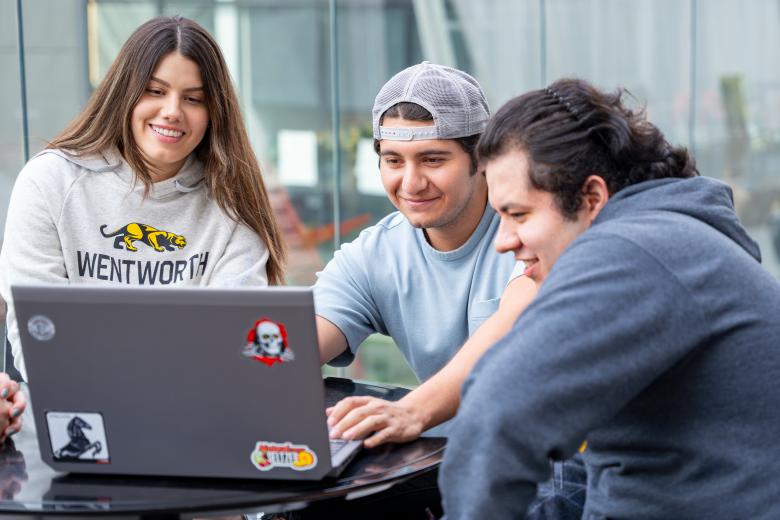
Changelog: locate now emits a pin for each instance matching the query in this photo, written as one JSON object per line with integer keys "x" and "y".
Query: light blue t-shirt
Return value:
{"x": 390, "y": 280}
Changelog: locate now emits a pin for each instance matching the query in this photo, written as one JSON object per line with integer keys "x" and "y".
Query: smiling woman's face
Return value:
{"x": 171, "y": 118}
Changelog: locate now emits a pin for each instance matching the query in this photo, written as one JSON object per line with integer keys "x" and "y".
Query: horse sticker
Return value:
{"x": 77, "y": 437}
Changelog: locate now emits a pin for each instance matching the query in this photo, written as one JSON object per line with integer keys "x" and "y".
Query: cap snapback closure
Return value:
{"x": 417, "y": 133}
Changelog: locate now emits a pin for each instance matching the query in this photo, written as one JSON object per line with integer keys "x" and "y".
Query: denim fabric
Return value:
{"x": 563, "y": 496}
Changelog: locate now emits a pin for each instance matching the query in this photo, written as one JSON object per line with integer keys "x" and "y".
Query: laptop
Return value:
{"x": 194, "y": 382}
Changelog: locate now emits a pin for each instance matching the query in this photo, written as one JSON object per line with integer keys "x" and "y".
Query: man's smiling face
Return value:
{"x": 532, "y": 226}
{"x": 431, "y": 181}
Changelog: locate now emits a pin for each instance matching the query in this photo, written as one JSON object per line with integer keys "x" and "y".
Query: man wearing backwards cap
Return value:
{"x": 427, "y": 275}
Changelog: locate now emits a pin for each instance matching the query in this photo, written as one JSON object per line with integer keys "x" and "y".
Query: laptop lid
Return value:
{"x": 175, "y": 381}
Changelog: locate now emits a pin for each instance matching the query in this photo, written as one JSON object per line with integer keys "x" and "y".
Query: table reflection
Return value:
{"x": 13, "y": 470}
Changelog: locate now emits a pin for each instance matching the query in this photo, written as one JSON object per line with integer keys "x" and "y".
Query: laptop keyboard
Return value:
{"x": 336, "y": 445}
{"x": 341, "y": 452}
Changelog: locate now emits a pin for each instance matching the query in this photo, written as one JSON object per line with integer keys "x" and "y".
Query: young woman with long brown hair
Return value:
{"x": 154, "y": 183}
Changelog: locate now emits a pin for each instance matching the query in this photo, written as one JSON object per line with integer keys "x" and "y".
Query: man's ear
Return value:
{"x": 595, "y": 196}
{"x": 481, "y": 167}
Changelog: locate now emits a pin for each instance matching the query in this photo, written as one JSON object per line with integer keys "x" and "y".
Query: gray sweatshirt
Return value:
{"x": 655, "y": 337}
{"x": 85, "y": 220}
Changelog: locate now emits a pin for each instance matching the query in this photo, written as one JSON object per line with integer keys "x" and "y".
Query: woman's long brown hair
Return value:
{"x": 231, "y": 170}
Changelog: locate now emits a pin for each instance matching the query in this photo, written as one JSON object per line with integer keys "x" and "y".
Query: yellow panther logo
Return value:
{"x": 157, "y": 239}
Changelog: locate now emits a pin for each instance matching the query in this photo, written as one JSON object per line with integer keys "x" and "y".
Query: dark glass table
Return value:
{"x": 29, "y": 487}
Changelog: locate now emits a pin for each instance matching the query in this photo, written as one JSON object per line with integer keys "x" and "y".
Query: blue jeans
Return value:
{"x": 563, "y": 496}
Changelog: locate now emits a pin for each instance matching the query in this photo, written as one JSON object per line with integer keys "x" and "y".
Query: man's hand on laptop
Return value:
{"x": 12, "y": 405}
{"x": 375, "y": 420}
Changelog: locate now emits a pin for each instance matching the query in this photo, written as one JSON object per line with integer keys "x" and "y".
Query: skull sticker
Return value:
{"x": 267, "y": 343}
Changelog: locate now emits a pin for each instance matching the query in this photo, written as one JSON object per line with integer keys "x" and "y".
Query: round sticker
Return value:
{"x": 40, "y": 328}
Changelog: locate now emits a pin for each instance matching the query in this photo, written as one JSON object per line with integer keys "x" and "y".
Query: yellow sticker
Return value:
{"x": 269, "y": 455}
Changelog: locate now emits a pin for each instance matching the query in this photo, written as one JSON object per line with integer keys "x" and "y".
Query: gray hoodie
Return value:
{"x": 84, "y": 220}
{"x": 656, "y": 338}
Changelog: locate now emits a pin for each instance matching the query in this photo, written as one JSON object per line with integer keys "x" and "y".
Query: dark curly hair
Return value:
{"x": 571, "y": 130}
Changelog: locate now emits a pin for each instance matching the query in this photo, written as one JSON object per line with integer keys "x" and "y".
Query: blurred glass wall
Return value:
{"x": 705, "y": 70}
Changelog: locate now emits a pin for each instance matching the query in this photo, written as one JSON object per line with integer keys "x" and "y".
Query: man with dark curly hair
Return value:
{"x": 655, "y": 334}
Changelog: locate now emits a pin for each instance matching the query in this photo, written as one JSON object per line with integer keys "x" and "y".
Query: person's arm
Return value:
{"x": 32, "y": 251}
{"x": 331, "y": 340}
{"x": 242, "y": 263}
{"x": 344, "y": 304}
{"x": 437, "y": 399}
{"x": 588, "y": 345}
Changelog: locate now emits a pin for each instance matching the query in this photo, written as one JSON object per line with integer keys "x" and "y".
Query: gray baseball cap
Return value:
{"x": 454, "y": 99}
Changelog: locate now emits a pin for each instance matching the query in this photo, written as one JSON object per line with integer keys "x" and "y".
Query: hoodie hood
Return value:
{"x": 189, "y": 178}
{"x": 702, "y": 198}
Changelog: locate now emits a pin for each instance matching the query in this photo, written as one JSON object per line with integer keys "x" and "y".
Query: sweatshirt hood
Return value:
{"x": 702, "y": 198}
{"x": 189, "y": 178}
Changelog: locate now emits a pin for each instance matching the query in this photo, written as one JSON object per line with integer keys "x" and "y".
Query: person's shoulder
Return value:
{"x": 381, "y": 240}
{"x": 53, "y": 166}
{"x": 392, "y": 221}
{"x": 649, "y": 230}
{"x": 44, "y": 162}
{"x": 389, "y": 226}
